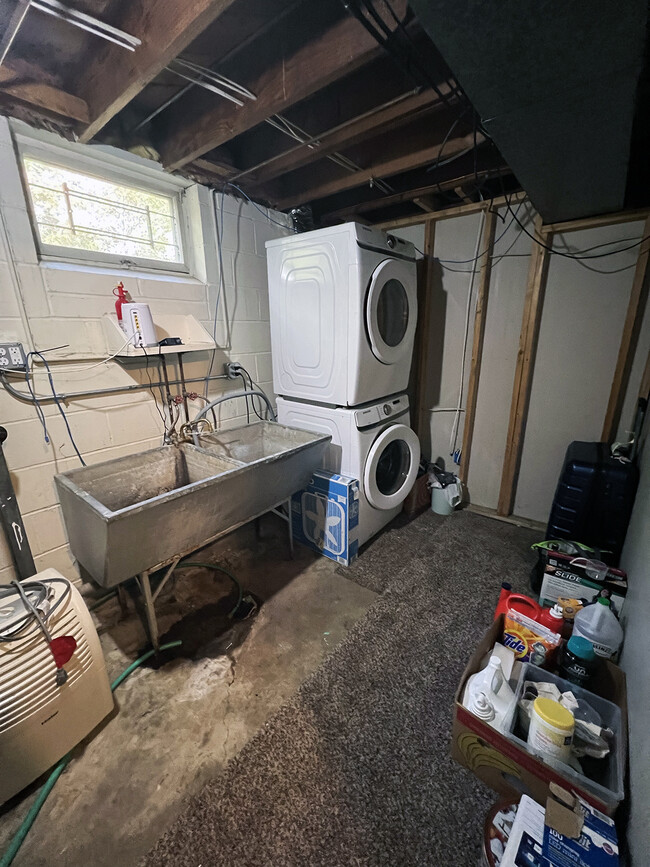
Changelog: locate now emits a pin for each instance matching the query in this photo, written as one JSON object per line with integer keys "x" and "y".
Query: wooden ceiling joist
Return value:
{"x": 166, "y": 28}
{"x": 337, "y": 51}
{"x": 380, "y": 169}
{"x": 359, "y": 129}
{"x": 28, "y": 85}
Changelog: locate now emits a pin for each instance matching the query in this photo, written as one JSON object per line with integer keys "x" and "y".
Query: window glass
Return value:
{"x": 78, "y": 211}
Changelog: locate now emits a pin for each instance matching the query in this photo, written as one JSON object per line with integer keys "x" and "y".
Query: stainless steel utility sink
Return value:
{"x": 132, "y": 514}
{"x": 254, "y": 442}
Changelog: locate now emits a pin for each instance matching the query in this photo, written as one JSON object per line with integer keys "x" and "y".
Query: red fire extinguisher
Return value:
{"x": 122, "y": 298}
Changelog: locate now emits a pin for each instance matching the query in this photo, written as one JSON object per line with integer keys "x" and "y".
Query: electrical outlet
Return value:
{"x": 12, "y": 356}
{"x": 232, "y": 369}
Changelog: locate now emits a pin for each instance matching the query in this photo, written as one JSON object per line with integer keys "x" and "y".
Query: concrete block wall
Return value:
{"x": 46, "y": 305}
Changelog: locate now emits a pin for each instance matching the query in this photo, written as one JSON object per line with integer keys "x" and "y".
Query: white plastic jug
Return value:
{"x": 598, "y": 624}
{"x": 488, "y": 696}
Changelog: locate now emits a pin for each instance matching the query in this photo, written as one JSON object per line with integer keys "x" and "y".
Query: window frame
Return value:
{"x": 133, "y": 172}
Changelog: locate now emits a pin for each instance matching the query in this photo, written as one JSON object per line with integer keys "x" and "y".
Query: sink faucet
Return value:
{"x": 189, "y": 432}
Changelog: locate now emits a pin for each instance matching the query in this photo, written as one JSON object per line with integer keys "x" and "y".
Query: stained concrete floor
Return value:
{"x": 178, "y": 726}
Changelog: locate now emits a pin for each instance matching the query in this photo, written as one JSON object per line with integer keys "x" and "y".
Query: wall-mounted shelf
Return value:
{"x": 194, "y": 336}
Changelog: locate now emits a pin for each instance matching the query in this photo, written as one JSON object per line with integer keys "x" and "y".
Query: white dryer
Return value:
{"x": 374, "y": 444}
{"x": 343, "y": 306}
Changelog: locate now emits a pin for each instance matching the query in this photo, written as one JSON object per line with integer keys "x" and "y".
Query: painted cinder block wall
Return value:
{"x": 45, "y": 306}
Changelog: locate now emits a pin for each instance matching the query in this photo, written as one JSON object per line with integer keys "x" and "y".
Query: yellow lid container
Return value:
{"x": 554, "y": 714}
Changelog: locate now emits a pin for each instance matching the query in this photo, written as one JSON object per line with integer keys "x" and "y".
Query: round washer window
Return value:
{"x": 392, "y": 312}
{"x": 393, "y": 467}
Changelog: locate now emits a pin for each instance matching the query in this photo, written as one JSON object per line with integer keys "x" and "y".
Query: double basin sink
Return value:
{"x": 132, "y": 514}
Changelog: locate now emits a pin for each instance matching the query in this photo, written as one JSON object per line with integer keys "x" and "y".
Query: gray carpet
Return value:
{"x": 355, "y": 770}
{"x": 384, "y": 556}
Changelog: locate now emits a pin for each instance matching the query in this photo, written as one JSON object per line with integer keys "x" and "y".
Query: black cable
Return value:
{"x": 248, "y": 414}
{"x": 252, "y": 385}
{"x": 56, "y": 401}
{"x": 353, "y": 7}
{"x": 153, "y": 393}
{"x": 575, "y": 256}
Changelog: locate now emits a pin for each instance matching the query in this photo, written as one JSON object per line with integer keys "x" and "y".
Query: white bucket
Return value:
{"x": 445, "y": 500}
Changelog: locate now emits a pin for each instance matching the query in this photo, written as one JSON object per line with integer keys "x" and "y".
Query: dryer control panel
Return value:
{"x": 389, "y": 408}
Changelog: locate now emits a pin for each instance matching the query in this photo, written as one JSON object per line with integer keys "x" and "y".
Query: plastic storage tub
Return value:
{"x": 609, "y": 787}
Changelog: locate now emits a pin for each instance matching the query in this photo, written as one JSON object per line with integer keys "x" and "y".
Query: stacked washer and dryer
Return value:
{"x": 343, "y": 307}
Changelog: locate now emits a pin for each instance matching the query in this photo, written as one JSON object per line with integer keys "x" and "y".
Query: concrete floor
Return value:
{"x": 179, "y": 725}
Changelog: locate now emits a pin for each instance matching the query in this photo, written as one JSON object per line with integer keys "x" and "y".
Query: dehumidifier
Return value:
{"x": 46, "y": 705}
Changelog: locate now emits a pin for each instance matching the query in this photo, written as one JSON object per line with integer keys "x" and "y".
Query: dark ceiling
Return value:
{"x": 365, "y": 110}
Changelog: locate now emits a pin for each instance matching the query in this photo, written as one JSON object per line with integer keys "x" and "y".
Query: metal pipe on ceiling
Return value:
{"x": 14, "y": 25}
{"x": 87, "y": 22}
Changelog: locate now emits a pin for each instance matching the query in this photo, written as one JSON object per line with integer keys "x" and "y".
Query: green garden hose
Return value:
{"x": 59, "y": 768}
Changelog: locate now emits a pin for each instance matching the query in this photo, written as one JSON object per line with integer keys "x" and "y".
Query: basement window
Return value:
{"x": 102, "y": 220}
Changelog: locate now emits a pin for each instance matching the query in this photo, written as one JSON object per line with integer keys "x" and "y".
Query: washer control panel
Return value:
{"x": 389, "y": 407}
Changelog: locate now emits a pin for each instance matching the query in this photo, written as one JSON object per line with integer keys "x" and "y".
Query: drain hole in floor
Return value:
{"x": 208, "y": 632}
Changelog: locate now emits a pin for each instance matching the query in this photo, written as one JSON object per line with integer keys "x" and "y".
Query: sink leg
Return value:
{"x": 152, "y": 623}
{"x": 123, "y": 599}
{"x": 290, "y": 527}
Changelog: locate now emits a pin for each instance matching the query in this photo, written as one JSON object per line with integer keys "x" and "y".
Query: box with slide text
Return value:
{"x": 325, "y": 516}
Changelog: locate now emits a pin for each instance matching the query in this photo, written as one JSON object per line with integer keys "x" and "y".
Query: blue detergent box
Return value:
{"x": 576, "y": 834}
{"x": 325, "y": 516}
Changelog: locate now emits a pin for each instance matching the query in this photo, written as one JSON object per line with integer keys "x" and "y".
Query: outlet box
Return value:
{"x": 232, "y": 369}
{"x": 12, "y": 356}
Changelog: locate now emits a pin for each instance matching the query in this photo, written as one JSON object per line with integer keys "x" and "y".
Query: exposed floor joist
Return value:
{"x": 380, "y": 168}
{"x": 359, "y": 129}
{"x": 166, "y": 28}
{"x": 27, "y": 84}
{"x": 294, "y": 76}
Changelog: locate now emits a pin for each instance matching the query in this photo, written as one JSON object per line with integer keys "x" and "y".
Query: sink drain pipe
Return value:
{"x": 35, "y": 809}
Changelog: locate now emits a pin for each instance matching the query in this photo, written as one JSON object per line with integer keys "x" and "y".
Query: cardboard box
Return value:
{"x": 325, "y": 516}
{"x": 562, "y": 578}
{"x": 566, "y": 832}
{"x": 506, "y": 766}
{"x": 577, "y": 835}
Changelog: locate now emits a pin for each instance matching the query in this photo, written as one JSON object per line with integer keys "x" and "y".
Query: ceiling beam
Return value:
{"x": 27, "y": 84}
{"x": 449, "y": 177}
{"x": 377, "y": 120}
{"x": 166, "y": 28}
{"x": 294, "y": 75}
{"x": 380, "y": 168}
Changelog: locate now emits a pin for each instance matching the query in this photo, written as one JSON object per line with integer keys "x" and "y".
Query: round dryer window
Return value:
{"x": 391, "y": 466}
{"x": 391, "y": 310}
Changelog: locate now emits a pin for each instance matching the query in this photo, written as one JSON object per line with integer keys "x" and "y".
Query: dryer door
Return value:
{"x": 391, "y": 466}
{"x": 391, "y": 310}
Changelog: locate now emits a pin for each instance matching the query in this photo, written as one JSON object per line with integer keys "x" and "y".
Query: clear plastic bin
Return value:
{"x": 604, "y": 778}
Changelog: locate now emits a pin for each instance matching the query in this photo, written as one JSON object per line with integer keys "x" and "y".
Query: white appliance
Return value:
{"x": 137, "y": 323}
{"x": 41, "y": 721}
{"x": 373, "y": 443}
{"x": 343, "y": 307}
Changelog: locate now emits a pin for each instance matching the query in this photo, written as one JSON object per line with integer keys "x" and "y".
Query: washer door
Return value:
{"x": 391, "y": 310}
{"x": 391, "y": 466}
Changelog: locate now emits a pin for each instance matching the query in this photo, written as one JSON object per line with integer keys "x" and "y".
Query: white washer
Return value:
{"x": 374, "y": 444}
{"x": 343, "y": 307}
